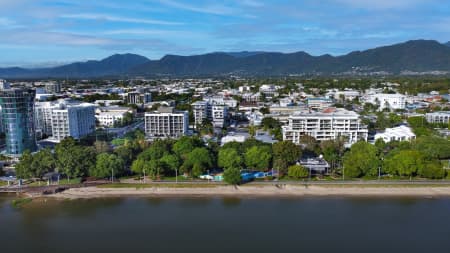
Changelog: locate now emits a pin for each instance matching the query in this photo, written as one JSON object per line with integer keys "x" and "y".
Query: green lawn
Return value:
{"x": 3, "y": 183}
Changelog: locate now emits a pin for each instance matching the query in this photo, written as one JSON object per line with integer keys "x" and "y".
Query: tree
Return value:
{"x": 23, "y": 167}
{"x": 156, "y": 168}
{"x": 139, "y": 166}
{"x": 297, "y": 172}
{"x": 127, "y": 118}
{"x": 171, "y": 162}
{"x": 125, "y": 153}
{"x": 361, "y": 160}
{"x": 43, "y": 162}
{"x": 185, "y": 145}
{"x": 157, "y": 149}
{"x": 258, "y": 157}
{"x": 229, "y": 157}
{"x": 310, "y": 144}
{"x": 106, "y": 165}
{"x": 285, "y": 153}
{"x": 332, "y": 150}
{"x": 404, "y": 163}
{"x": 432, "y": 170}
{"x": 232, "y": 176}
{"x": 74, "y": 160}
{"x": 433, "y": 147}
{"x": 198, "y": 161}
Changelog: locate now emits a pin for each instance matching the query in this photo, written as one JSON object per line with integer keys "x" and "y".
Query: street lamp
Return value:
{"x": 343, "y": 172}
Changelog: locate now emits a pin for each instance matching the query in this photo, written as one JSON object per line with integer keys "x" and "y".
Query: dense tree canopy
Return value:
{"x": 229, "y": 158}
{"x": 107, "y": 165}
{"x": 297, "y": 172}
{"x": 285, "y": 153}
{"x": 361, "y": 160}
{"x": 258, "y": 157}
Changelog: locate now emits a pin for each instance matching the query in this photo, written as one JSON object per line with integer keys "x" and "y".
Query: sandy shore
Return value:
{"x": 255, "y": 191}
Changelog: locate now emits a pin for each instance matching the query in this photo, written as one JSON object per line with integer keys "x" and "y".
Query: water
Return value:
{"x": 228, "y": 225}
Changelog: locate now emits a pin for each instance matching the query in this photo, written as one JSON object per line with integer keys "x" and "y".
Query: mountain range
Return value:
{"x": 416, "y": 56}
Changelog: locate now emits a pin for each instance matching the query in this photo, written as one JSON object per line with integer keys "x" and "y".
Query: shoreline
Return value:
{"x": 255, "y": 191}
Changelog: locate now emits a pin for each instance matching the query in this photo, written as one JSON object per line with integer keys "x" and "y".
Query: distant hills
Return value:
{"x": 417, "y": 56}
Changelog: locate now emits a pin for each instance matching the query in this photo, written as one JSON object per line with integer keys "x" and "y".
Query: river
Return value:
{"x": 227, "y": 225}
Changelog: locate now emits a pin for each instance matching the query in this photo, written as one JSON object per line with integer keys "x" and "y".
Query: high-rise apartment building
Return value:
{"x": 18, "y": 118}
{"x": 75, "y": 120}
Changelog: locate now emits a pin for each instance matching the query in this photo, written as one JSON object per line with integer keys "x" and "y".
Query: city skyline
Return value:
{"x": 53, "y": 32}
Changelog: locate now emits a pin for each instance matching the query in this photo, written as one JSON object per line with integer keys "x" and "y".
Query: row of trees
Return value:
{"x": 399, "y": 159}
{"x": 193, "y": 157}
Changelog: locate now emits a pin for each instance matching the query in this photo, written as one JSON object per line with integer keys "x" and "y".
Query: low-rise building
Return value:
{"x": 111, "y": 116}
{"x": 387, "y": 101}
{"x": 319, "y": 103}
{"x": 438, "y": 117}
{"x": 400, "y": 133}
{"x": 316, "y": 165}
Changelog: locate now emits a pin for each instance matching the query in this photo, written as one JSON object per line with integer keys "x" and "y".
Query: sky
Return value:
{"x": 51, "y": 32}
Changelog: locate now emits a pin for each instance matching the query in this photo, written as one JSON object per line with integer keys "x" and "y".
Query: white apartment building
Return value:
{"x": 269, "y": 90}
{"x": 166, "y": 123}
{"x": 43, "y": 117}
{"x": 111, "y": 115}
{"x": 219, "y": 115}
{"x": 328, "y": 125}
{"x": 438, "y": 117}
{"x": 215, "y": 112}
{"x": 319, "y": 103}
{"x": 400, "y": 133}
{"x": 389, "y": 101}
{"x": 53, "y": 87}
{"x": 75, "y": 120}
{"x": 251, "y": 97}
{"x": 138, "y": 98}
{"x": 228, "y": 101}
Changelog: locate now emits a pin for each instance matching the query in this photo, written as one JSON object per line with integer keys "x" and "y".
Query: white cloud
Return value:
{"x": 153, "y": 32}
{"x": 103, "y": 17}
{"x": 208, "y": 9}
{"x": 382, "y": 4}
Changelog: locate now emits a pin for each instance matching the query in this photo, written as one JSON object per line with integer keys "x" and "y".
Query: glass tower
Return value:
{"x": 18, "y": 119}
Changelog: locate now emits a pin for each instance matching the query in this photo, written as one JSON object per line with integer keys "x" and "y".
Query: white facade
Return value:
{"x": 401, "y": 133}
{"x": 325, "y": 126}
{"x": 110, "y": 116}
{"x": 389, "y": 101}
{"x": 219, "y": 115}
{"x": 251, "y": 97}
{"x": 53, "y": 87}
{"x": 166, "y": 124}
{"x": 438, "y": 117}
{"x": 75, "y": 120}
{"x": 43, "y": 116}
{"x": 215, "y": 112}
{"x": 138, "y": 98}
{"x": 319, "y": 103}
{"x": 269, "y": 90}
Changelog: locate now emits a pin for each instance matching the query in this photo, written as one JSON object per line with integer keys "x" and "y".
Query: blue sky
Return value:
{"x": 34, "y": 32}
